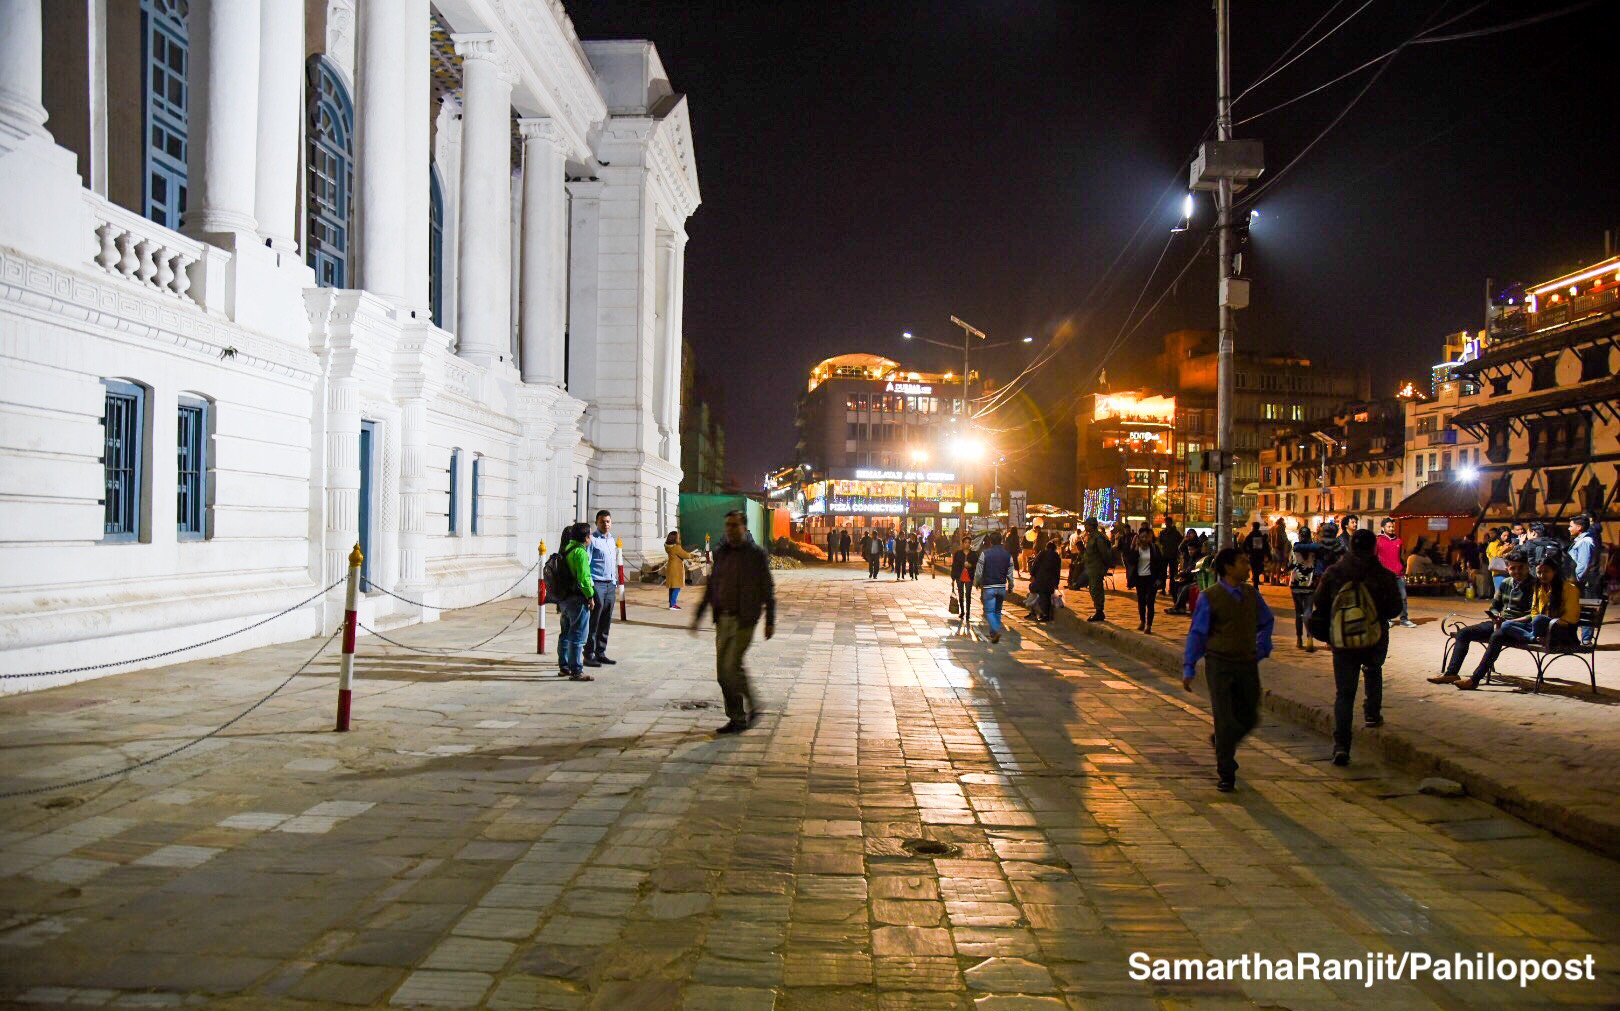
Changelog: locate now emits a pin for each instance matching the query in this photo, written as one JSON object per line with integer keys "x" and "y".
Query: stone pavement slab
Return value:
{"x": 920, "y": 821}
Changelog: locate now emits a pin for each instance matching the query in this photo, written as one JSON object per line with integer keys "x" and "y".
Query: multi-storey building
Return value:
{"x": 1269, "y": 392}
{"x": 1550, "y": 410}
{"x": 1436, "y": 450}
{"x": 1350, "y": 463}
{"x": 280, "y": 278}
{"x": 1125, "y": 456}
{"x": 879, "y": 440}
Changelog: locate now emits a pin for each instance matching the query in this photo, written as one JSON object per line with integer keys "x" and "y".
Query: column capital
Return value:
{"x": 486, "y": 47}
{"x": 542, "y": 128}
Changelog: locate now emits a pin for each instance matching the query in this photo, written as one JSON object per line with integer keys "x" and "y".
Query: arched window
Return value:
{"x": 436, "y": 246}
{"x": 330, "y": 184}
{"x": 164, "y": 51}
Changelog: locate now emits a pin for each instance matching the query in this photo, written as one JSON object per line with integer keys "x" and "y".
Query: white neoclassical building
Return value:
{"x": 278, "y": 277}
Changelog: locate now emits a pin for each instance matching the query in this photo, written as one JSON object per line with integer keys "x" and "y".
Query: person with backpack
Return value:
{"x": 1351, "y": 612}
{"x": 1543, "y": 546}
{"x": 993, "y": 577}
{"x": 567, "y": 575}
{"x": 1097, "y": 559}
{"x": 1231, "y": 633}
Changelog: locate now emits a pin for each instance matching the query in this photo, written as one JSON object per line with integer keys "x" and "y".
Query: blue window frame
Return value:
{"x": 477, "y": 473}
{"x": 193, "y": 459}
{"x": 164, "y": 54}
{"x": 436, "y": 247}
{"x": 455, "y": 475}
{"x": 123, "y": 426}
{"x": 329, "y": 187}
{"x": 368, "y": 449}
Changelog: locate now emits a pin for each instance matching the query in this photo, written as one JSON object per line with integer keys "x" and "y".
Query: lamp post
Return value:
{"x": 918, "y": 458}
{"x": 969, "y": 332}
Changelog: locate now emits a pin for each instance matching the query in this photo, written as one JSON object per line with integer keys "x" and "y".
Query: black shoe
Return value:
{"x": 1098, "y": 617}
{"x": 1341, "y": 758}
{"x": 733, "y": 727}
{"x": 1226, "y": 785}
{"x": 1374, "y": 721}
{"x": 995, "y": 636}
{"x": 592, "y": 662}
{"x": 605, "y": 660}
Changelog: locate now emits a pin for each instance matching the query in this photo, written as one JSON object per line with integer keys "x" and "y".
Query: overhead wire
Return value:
{"x": 1268, "y": 75}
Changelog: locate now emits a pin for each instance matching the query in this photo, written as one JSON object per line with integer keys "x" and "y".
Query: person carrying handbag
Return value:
{"x": 963, "y": 563}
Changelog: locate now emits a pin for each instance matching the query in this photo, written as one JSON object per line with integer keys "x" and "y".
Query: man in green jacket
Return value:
{"x": 1097, "y": 559}
{"x": 576, "y": 605}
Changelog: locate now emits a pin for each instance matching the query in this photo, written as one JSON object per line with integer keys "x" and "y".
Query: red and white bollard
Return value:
{"x": 351, "y": 619}
{"x": 540, "y": 605}
{"x": 619, "y": 544}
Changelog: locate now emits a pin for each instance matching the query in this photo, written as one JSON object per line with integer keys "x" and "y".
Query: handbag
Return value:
{"x": 955, "y": 608}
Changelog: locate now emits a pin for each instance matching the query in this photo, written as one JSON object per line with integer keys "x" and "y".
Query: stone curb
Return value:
{"x": 1413, "y": 752}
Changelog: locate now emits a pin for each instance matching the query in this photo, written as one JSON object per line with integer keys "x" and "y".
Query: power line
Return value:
{"x": 1273, "y": 73}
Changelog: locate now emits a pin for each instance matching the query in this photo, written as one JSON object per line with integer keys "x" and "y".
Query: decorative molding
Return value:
{"x": 485, "y": 46}
{"x": 542, "y": 128}
{"x": 64, "y": 297}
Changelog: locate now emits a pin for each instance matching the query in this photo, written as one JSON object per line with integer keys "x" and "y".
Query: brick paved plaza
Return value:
{"x": 490, "y": 836}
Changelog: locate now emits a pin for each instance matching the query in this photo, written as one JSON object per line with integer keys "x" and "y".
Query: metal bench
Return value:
{"x": 1559, "y": 641}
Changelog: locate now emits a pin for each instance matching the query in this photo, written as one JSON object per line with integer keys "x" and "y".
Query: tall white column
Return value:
{"x": 22, "y": 63}
{"x": 483, "y": 303}
{"x": 416, "y": 60}
{"x": 281, "y": 117}
{"x": 545, "y": 251}
{"x": 222, "y": 141}
{"x": 674, "y": 305}
{"x": 380, "y": 176}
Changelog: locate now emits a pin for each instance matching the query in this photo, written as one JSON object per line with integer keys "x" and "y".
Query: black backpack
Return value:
{"x": 553, "y": 574}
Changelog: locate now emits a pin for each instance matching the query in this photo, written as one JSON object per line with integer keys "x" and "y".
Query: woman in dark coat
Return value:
{"x": 1044, "y": 575}
{"x": 1145, "y": 567}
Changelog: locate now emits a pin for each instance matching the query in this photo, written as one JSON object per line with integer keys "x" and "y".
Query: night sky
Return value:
{"x": 872, "y": 168}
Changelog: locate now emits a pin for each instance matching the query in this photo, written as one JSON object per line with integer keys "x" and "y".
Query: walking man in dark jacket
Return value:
{"x": 739, "y": 589}
{"x": 1362, "y": 642}
{"x": 872, "y": 551}
{"x": 1169, "y": 542}
{"x": 1231, "y": 633}
{"x": 1258, "y": 547}
{"x": 843, "y": 545}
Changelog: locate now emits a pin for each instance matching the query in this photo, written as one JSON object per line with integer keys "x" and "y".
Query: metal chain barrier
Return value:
{"x": 189, "y": 744}
{"x": 178, "y": 649}
{"x": 417, "y": 603}
{"x": 444, "y": 650}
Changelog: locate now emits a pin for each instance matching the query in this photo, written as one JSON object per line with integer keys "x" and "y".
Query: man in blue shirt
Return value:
{"x": 1231, "y": 633}
{"x": 605, "y": 576}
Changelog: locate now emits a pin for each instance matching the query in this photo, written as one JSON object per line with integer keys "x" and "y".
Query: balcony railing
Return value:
{"x": 136, "y": 249}
{"x": 1571, "y": 310}
{"x": 1448, "y": 437}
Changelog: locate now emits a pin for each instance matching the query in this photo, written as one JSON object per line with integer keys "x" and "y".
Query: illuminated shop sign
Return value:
{"x": 913, "y": 389}
{"x": 869, "y": 508}
{"x": 941, "y": 476}
{"x": 1134, "y": 407}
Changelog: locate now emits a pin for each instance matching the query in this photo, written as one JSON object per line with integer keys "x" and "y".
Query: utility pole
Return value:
{"x": 1223, "y": 205}
{"x": 969, "y": 331}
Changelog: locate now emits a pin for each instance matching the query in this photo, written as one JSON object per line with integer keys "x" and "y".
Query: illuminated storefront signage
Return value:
{"x": 940, "y": 476}
{"x": 913, "y": 389}
{"x": 1134, "y": 407}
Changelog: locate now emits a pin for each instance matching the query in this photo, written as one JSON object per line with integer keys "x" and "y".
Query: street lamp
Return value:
{"x": 918, "y": 458}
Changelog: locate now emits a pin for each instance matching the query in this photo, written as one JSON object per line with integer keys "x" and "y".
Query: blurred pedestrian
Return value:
{"x": 740, "y": 590}
{"x": 1257, "y": 545}
{"x": 1586, "y": 558}
{"x": 1389, "y": 556}
{"x": 1098, "y": 558}
{"x": 1169, "y": 541}
{"x": 843, "y": 545}
{"x": 963, "y": 562}
{"x": 1045, "y": 573}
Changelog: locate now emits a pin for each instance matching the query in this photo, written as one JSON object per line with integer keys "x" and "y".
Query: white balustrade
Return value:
{"x": 142, "y": 251}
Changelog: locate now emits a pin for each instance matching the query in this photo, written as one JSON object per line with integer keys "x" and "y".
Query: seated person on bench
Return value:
{"x": 1511, "y": 602}
{"x": 1555, "y": 599}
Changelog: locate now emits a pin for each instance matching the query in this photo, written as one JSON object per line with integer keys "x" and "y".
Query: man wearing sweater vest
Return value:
{"x": 1231, "y": 633}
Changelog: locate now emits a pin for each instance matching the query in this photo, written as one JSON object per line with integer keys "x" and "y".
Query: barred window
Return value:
{"x": 122, "y": 424}
{"x": 191, "y": 484}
